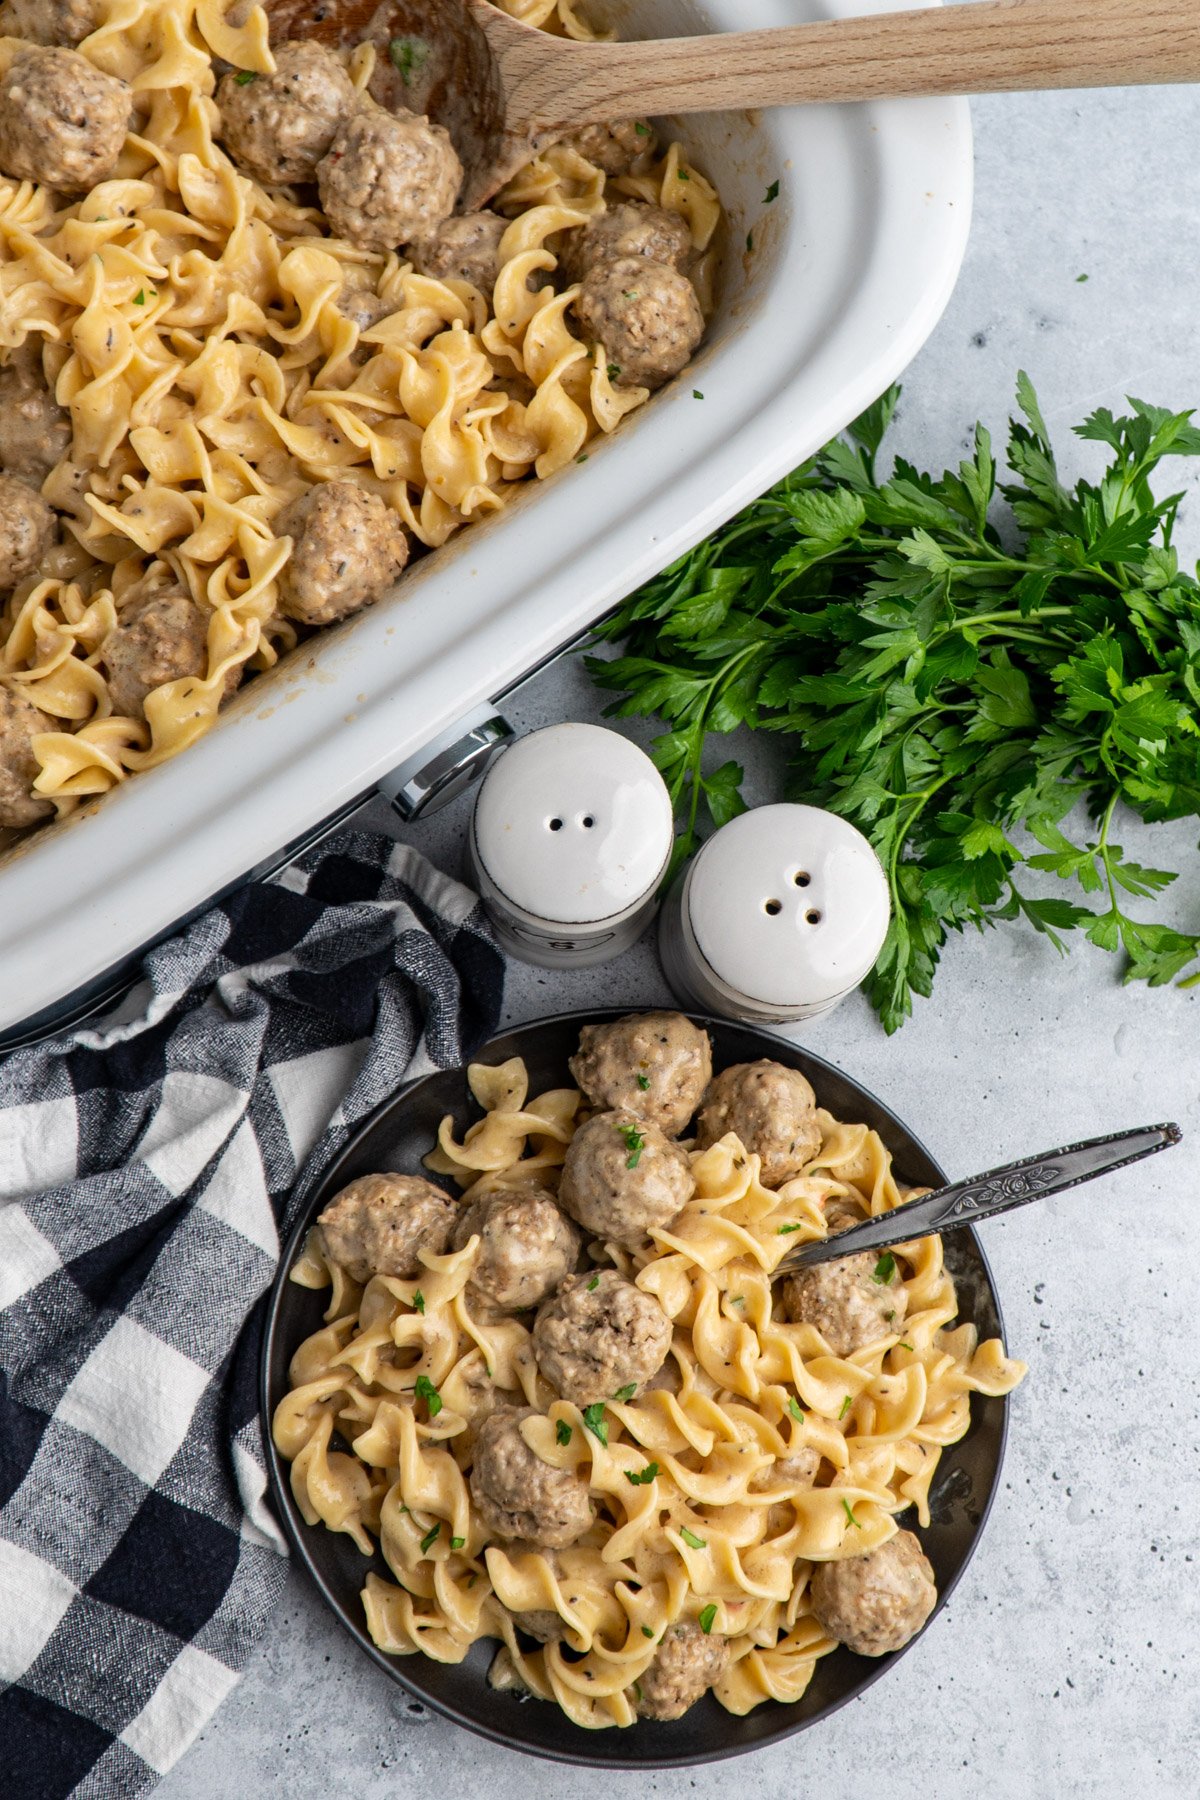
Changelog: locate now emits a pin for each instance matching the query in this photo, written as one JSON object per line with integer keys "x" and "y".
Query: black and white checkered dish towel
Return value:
{"x": 149, "y": 1167}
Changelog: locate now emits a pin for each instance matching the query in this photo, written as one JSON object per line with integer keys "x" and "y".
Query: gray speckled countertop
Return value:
{"x": 1068, "y": 1662}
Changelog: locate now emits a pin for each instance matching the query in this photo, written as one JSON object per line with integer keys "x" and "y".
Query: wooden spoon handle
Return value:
{"x": 987, "y": 47}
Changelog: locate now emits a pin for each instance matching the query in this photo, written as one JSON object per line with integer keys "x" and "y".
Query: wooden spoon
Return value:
{"x": 503, "y": 90}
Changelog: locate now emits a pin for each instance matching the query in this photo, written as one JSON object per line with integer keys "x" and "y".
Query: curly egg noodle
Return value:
{"x": 187, "y": 318}
{"x": 689, "y": 1523}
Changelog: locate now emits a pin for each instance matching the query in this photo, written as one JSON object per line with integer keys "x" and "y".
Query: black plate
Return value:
{"x": 397, "y": 1136}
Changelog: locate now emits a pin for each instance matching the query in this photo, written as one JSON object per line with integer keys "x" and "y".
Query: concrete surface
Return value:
{"x": 1067, "y": 1663}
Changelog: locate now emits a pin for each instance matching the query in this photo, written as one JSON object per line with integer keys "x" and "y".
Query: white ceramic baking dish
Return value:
{"x": 850, "y": 270}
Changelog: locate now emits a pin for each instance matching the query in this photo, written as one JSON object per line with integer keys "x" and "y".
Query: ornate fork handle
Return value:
{"x": 987, "y": 1196}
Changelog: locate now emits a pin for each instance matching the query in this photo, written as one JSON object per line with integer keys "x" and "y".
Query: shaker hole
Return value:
{"x": 555, "y": 824}
{"x": 587, "y": 821}
{"x": 813, "y": 917}
{"x": 772, "y": 907}
{"x": 801, "y": 878}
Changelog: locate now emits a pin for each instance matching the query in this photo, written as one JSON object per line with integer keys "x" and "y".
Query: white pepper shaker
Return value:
{"x": 570, "y": 840}
{"x": 780, "y": 915}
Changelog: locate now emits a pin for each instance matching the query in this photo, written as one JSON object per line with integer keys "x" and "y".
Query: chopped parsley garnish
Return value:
{"x": 635, "y": 1143}
{"x": 889, "y": 1316}
{"x": 627, "y": 1392}
{"x": 772, "y": 193}
{"x": 643, "y": 1082}
{"x": 563, "y": 1432}
{"x": 707, "y": 1616}
{"x": 1082, "y": 278}
{"x": 850, "y": 1515}
{"x": 647, "y": 1631}
{"x": 629, "y": 293}
{"x": 418, "y": 1301}
{"x": 783, "y": 1230}
{"x": 613, "y": 370}
{"x": 642, "y": 1477}
{"x": 696, "y": 394}
{"x": 637, "y": 1688}
{"x": 642, "y": 131}
{"x": 684, "y": 174}
{"x": 738, "y": 1300}
{"x": 749, "y": 240}
{"x": 593, "y": 1284}
{"x": 457, "y": 1543}
{"x": 903, "y": 1346}
{"x": 409, "y": 54}
{"x": 795, "y": 1408}
{"x": 885, "y": 1268}
{"x": 430, "y": 1538}
{"x": 139, "y": 299}
{"x": 426, "y": 1391}
{"x": 597, "y": 1424}
{"x": 582, "y": 457}
{"x": 691, "y": 1540}
{"x": 245, "y": 76}
{"x": 847, "y": 1403}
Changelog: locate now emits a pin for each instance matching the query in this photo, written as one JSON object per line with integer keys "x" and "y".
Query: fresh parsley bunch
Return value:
{"x": 947, "y": 680}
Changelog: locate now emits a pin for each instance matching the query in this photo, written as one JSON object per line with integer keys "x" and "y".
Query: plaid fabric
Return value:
{"x": 149, "y": 1168}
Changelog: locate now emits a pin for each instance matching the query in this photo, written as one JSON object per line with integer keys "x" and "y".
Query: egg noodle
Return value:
{"x": 188, "y": 318}
{"x": 683, "y": 1529}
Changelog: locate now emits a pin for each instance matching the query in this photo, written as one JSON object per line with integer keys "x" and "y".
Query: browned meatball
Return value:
{"x": 840, "y": 1215}
{"x": 526, "y": 1246}
{"x": 773, "y": 1111}
{"x": 845, "y": 1302}
{"x": 50, "y": 21}
{"x": 380, "y": 1223}
{"x": 875, "y": 1603}
{"x": 655, "y": 1065}
{"x": 363, "y": 306}
{"x": 796, "y": 1470}
{"x": 62, "y": 121}
{"x": 615, "y": 147}
{"x": 157, "y": 640}
{"x": 349, "y": 549}
{"x": 388, "y": 178}
{"x": 598, "y": 1336}
{"x": 26, "y": 530}
{"x": 688, "y": 1662}
{"x": 645, "y": 314}
{"x": 35, "y": 432}
{"x": 278, "y": 127}
{"x": 466, "y": 248}
{"x": 517, "y": 1495}
{"x": 19, "y": 768}
{"x": 540, "y": 1622}
{"x": 622, "y": 1178}
{"x": 631, "y": 228}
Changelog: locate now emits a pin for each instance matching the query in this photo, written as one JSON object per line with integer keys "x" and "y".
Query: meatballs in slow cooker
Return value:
{"x": 466, "y": 248}
{"x": 645, "y": 314}
{"x": 630, "y": 228}
{"x": 875, "y": 1603}
{"x": 62, "y": 121}
{"x": 35, "y": 431}
{"x": 278, "y": 127}
{"x": 614, "y": 147}
{"x": 598, "y": 1335}
{"x": 162, "y": 639}
{"x": 349, "y": 548}
{"x": 526, "y": 1246}
{"x": 622, "y": 1178}
{"x": 848, "y": 1301}
{"x": 380, "y": 1224}
{"x": 688, "y": 1662}
{"x": 26, "y": 530}
{"x": 388, "y": 178}
{"x": 772, "y": 1109}
{"x": 655, "y": 1065}
{"x": 20, "y": 722}
{"x": 517, "y": 1495}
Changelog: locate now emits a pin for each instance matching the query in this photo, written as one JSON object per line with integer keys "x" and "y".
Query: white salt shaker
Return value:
{"x": 570, "y": 840}
{"x": 780, "y": 915}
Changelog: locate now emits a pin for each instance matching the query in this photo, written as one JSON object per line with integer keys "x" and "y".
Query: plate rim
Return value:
{"x": 590, "y": 1751}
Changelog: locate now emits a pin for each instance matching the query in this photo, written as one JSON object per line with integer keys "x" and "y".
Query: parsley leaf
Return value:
{"x": 627, "y": 1392}
{"x": 597, "y": 1424}
{"x": 593, "y": 1284}
{"x": 951, "y": 688}
{"x": 418, "y": 1301}
{"x": 885, "y": 1268}
{"x": 642, "y": 1477}
{"x": 772, "y": 193}
{"x": 847, "y": 1403}
{"x": 783, "y": 1230}
{"x": 635, "y": 1143}
{"x": 456, "y": 1543}
{"x": 643, "y": 1082}
{"x": 647, "y": 1631}
{"x": 426, "y": 1391}
{"x": 691, "y": 1540}
{"x": 707, "y": 1615}
{"x": 795, "y": 1408}
{"x": 563, "y": 1433}
{"x": 409, "y": 54}
{"x": 245, "y": 76}
{"x": 850, "y": 1515}
{"x": 430, "y": 1538}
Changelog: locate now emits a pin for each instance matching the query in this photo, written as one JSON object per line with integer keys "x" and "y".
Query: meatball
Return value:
{"x": 380, "y": 1223}
{"x": 62, "y": 121}
{"x": 773, "y": 1111}
{"x": 278, "y": 127}
{"x": 840, "y": 1215}
{"x": 655, "y": 1065}
{"x": 645, "y": 314}
{"x": 26, "y": 530}
{"x": 349, "y": 549}
{"x": 517, "y": 1495}
{"x": 35, "y": 432}
{"x": 622, "y": 1178}
{"x": 161, "y": 639}
{"x": 20, "y": 721}
{"x": 845, "y": 1302}
{"x": 363, "y": 307}
{"x": 50, "y": 21}
{"x": 632, "y": 228}
{"x": 540, "y": 1622}
{"x": 686, "y": 1665}
{"x": 526, "y": 1246}
{"x": 466, "y": 248}
{"x": 615, "y": 147}
{"x": 875, "y": 1603}
{"x": 388, "y": 178}
{"x": 797, "y": 1470}
{"x": 598, "y": 1335}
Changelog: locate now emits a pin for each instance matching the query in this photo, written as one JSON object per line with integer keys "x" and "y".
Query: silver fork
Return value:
{"x": 987, "y": 1196}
